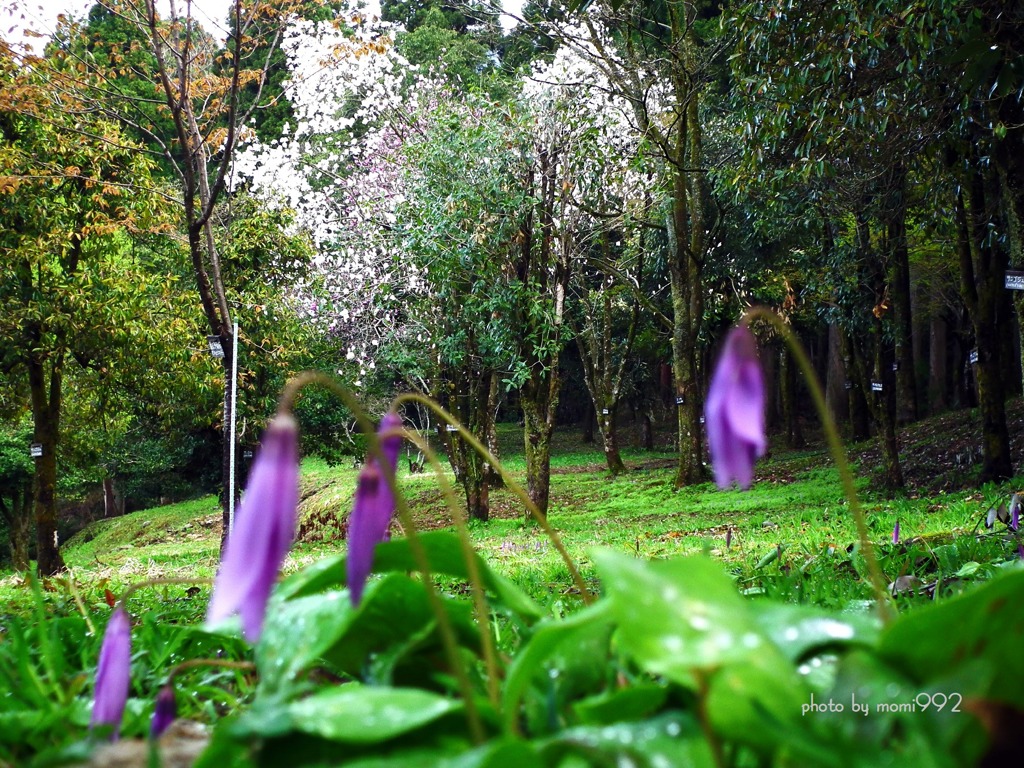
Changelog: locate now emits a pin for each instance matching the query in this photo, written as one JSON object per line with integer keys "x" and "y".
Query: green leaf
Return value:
{"x": 632, "y": 703}
{"x": 555, "y": 645}
{"x": 798, "y": 629}
{"x": 672, "y": 739}
{"x": 444, "y": 552}
{"x": 298, "y": 632}
{"x": 367, "y": 715}
{"x": 678, "y": 617}
{"x": 393, "y": 609}
{"x": 984, "y": 627}
{"x": 760, "y": 705}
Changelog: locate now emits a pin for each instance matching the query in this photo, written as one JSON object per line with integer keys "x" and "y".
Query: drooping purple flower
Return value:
{"x": 263, "y": 531}
{"x": 113, "y": 673}
{"x": 896, "y": 533}
{"x": 372, "y": 508}
{"x": 164, "y": 712}
{"x": 734, "y": 410}
{"x": 1015, "y": 504}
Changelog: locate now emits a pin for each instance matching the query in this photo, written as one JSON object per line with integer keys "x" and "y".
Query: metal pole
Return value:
{"x": 234, "y": 418}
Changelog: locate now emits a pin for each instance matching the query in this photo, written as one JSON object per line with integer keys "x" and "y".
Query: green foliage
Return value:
{"x": 688, "y": 663}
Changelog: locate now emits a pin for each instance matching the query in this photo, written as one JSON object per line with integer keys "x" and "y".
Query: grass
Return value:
{"x": 790, "y": 536}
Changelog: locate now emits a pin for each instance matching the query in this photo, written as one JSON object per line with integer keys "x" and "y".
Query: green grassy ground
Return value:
{"x": 791, "y": 534}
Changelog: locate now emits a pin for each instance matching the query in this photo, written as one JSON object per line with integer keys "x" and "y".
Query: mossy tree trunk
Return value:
{"x": 464, "y": 392}
{"x": 18, "y": 516}
{"x": 982, "y": 281}
{"x": 604, "y": 360}
{"x": 45, "y": 379}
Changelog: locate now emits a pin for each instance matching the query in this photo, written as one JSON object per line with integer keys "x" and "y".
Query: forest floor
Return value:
{"x": 791, "y": 535}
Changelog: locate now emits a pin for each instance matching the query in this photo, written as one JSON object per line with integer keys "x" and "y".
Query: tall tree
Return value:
{"x": 661, "y": 58}
{"x": 75, "y": 295}
{"x": 201, "y": 94}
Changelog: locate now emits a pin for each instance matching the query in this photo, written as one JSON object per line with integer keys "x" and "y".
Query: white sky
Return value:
{"x": 41, "y": 15}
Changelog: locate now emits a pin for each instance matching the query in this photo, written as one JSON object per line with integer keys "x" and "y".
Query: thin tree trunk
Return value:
{"x": 982, "y": 269}
{"x": 899, "y": 287}
{"x": 46, "y": 398}
{"x": 791, "y": 413}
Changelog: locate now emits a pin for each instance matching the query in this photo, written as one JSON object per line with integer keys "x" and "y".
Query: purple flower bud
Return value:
{"x": 728, "y": 538}
{"x": 263, "y": 531}
{"x": 896, "y": 533}
{"x": 164, "y": 712}
{"x": 734, "y": 410}
{"x": 113, "y": 673}
{"x": 1015, "y": 505}
{"x": 372, "y": 508}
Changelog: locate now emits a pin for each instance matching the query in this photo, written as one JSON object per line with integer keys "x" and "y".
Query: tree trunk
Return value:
{"x": 789, "y": 383}
{"x": 589, "y": 420}
{"x": 537, "y": 440}
{"x": 610, "y": 440}
{"x": 885, "y": 413}
{"x": 836, "y": 399}
{"x": 687, "y": 310}
{"x": 464, "y": 391}
{"x": 647, "y": 431}
{"x": 938, "y": 365}
{"x": 982, "y": 270}
{"x": 46, "y": 397}
{"x": 19, "y": 524}
{"x": 494, "y": 478}
{"x": 857, "y": 386}
{"x": 899, "y": 287}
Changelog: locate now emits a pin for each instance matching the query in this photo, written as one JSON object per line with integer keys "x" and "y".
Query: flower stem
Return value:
{"x": 838, "y": 452}
{"x": 444, "y": 625}
{"x": 472, "y": 567}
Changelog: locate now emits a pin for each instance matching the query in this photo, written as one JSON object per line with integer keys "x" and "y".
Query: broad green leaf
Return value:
{"x": 364, "y": 715}
{"x": 679, "y": 617}
{"x": 393, "y": 609}
{"x": 444, "y": 551}
{"x": 555, "y": 645}
{"x": 500, "y": 754}
{"x": 298, "y": 632}
{"x": 634, "y": 702}
{"x": 760, "y": 705}
{"x": 984, "y": 627}
{"x": 799, "y": 629}
{"x": 326, "y": 628}
{"x": 674, "y": 739}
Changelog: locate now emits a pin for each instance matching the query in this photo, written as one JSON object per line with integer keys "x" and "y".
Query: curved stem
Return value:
{"x": 838, "y": 454}
{"x": 516, "y": 488}
{"x": 444, "y": 625}
{"x": 472, "y": 569}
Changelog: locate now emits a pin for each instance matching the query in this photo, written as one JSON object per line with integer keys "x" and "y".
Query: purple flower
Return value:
{"x": 1015, "y": 505}
{"x": 113, "y": 673}
{"x": 734, "y": 410}
{"x": 164, "y": 712}
{"x": 263, "y": 531}
{"x": 372, "y": 508}
{"x": 896, "y": 533}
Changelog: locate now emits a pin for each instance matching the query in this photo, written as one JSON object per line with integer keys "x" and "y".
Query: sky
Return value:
{"x": 41, "y": 15}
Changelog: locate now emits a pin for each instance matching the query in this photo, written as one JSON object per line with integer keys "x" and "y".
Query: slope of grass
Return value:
{"x": 790, "y": 535}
